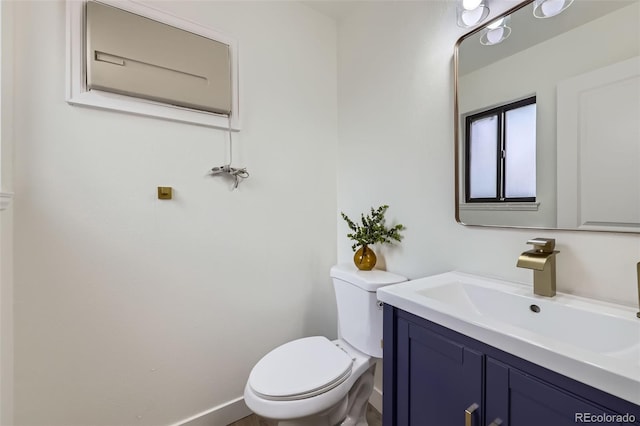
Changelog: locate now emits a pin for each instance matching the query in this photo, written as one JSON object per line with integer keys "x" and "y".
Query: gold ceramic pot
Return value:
{"x": 365, "y": 259}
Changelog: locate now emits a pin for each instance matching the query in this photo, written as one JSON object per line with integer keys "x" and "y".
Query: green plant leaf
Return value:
{"x": 372, "y": 229}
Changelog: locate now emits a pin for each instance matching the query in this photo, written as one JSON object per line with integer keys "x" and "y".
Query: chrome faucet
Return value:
{"x": 542, "y": 259}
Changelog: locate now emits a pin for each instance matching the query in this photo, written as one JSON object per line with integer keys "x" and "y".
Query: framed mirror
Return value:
{"x": 547, "y": 119}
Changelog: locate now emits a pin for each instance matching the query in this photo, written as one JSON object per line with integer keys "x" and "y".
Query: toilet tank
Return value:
{"x": 359, "y": 313}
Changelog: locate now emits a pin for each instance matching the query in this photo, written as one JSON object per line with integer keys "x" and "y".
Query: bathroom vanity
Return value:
{"x": 469, "y": 365}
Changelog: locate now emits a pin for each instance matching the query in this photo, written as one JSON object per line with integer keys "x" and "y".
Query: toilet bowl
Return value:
{"x": 292, "y": 390}
{"x": 314, "y": 381}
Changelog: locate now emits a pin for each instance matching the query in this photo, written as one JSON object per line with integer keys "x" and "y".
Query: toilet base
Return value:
{"x": 358, "y": 399}
{"x": 351, "y": 411}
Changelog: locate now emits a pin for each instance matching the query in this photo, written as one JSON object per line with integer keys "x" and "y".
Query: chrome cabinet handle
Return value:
{"x": 496, "y": 422}
{"x": 468, "y": 414}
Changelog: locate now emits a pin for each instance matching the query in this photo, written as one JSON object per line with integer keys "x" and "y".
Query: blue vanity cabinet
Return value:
{"x": 518, "y": 399}
{"x": 437, "y": 378}
{"x": 431, "y": 375}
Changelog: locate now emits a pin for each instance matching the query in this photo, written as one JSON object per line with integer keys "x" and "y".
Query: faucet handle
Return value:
{"x": 543, "y": 245}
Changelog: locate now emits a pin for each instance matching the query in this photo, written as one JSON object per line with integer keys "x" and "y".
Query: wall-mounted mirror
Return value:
{"x": 548, "y": 119}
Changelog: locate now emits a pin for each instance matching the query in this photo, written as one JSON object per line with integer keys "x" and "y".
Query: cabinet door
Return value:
{"x": 518, "y": 399}
{"x": 437, "y": 379}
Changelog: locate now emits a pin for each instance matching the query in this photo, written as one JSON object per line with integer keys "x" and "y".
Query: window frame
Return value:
{"x": 77, "y": 92}
{"x": 501, "y": 155}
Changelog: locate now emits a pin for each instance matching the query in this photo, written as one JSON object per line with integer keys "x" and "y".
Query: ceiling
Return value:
{"x": 336, "y": 9}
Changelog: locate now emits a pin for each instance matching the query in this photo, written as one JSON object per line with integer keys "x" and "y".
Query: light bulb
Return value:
{"x": 470, "y": 12}
{"x": 471, "y": 17}
{"x": 496, "y": 24}
{"x": 471, "y": 4}
{"x": 495, "y": 35}
{"x": 549, "y": 8}
{"x": 492, "y": 36}
{"x": 552, "y": 7}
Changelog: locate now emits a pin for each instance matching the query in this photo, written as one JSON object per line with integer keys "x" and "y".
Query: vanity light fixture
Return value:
{"x": 471, "y": 12}
{"x": 549, "y": 8}
{"x": 496, "y": 32}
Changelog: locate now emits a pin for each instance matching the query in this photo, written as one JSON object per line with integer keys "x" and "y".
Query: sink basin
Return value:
{"x": 594, "y": 342}
{"x": 572, "y": 323}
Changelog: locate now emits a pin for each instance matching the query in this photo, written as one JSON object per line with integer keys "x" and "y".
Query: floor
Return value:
{"x": 373, "y": 418}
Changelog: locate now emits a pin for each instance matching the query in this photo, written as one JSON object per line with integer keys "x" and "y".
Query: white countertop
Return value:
{"x": 594, "y": 342}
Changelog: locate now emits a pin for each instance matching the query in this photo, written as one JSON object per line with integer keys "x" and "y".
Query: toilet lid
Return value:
{"x": 300, "y": 369}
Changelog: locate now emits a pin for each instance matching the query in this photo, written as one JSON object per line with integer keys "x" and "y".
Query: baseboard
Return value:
{"x": 236, "y": 409}
{"x": 376, "y": 399}
{"x": 222, "y": 414}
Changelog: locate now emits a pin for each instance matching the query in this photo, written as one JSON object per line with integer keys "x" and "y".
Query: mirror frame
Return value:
{"x": 457, "y": 134}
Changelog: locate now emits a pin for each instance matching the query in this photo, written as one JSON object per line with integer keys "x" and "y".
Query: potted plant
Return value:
{"x": 372, "y": 230}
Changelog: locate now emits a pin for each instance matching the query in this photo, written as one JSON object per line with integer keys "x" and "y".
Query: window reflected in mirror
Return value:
{"x": 500, "y": 149}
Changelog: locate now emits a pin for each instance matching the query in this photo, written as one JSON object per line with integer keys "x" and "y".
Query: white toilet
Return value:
{"x": 317, "y": 382}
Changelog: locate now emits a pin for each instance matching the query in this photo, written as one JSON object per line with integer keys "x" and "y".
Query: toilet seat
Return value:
{"x": 300, "y": 369}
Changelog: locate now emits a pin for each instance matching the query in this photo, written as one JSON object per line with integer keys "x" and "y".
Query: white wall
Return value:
{"x": 395, "y": 103}
{"x": 131, "y": 310}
